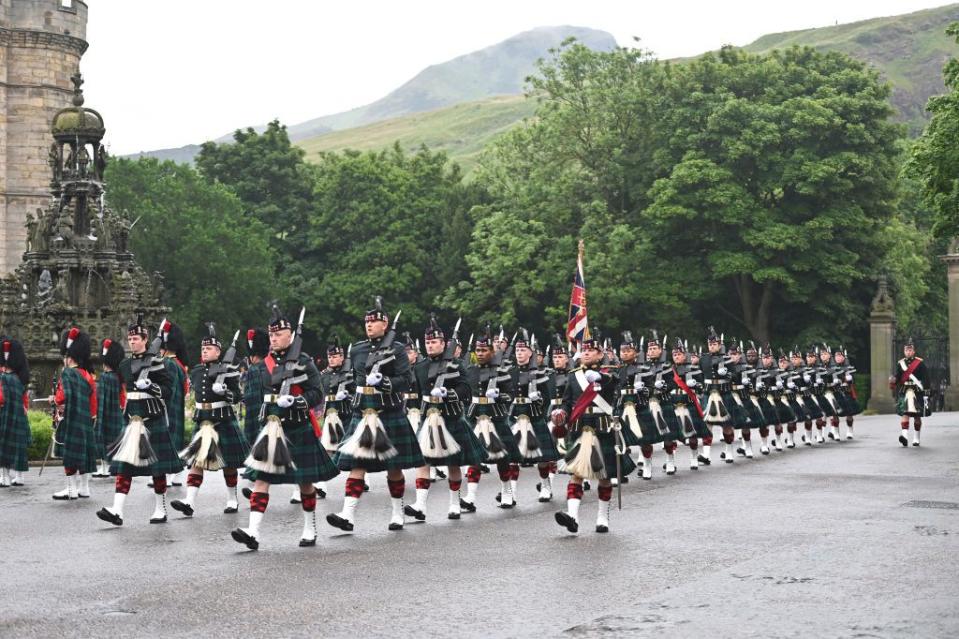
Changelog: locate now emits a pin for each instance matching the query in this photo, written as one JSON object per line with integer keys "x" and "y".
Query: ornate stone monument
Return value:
{"x": 882, "y": 334}
{"x": 77, "y": 269}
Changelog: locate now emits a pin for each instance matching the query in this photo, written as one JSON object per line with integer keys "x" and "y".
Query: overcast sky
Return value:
{"x": 173, "y": 72}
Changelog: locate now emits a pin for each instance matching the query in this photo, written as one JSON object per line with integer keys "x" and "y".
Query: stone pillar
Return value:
{"x": 882, "y": 334}
{"x": 952, "y": 266}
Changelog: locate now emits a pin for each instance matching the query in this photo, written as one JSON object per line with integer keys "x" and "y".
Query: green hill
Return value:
{"x": 909, "y": 50}
{"x": 462, "y": 130}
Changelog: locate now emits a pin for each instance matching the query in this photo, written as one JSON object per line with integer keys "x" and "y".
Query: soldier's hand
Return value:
{"x": 660, "y": 384}
{"x": 219, "y": 388}
{"x": 341, "y": 395}
{"x": 849, "y": 377}
{"x": 593, "y": 376}
{"x": 638, "y": 385}
{"x": 721, "y": 371}
{"x": 492, "y": 393}
{"x": 438, "y": 392}
{"x": 374, "y": 379}
{"x": 535, "y": 396}
{"x": 143, "y": 384}
{"x": 285, "y": 401}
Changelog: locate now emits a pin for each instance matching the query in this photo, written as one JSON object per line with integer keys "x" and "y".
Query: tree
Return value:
{"x": 217, "y": 261}
{"x": 935, "y": 157}
{"x": 270, "y": 177}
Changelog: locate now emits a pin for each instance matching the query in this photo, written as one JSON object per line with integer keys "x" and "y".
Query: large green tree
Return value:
{"x": 217, "y": 261}
{"x": 935, "y": 157}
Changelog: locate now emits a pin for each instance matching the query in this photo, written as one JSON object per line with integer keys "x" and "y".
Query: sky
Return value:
{"x": 165, "y": 73}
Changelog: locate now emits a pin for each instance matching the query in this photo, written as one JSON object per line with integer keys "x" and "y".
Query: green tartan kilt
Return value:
{"x": 850, "y": 405}
{"x": 311, "y": 461}
{"x": 15, "y": 438}
{"x": 233, "y": 444}
{"x": 107, "y": 435}
{"x": 811, "y": 408}
{"x": 76, "y": 445}
{"x": 739, "y": 416}
{"x": 784, "y": 413}
{"x": 400, "y": 434}
{"x": 471, "y": 451}
{"x": 547, "y": 446}
{"x": 827, "y": 408}
{"x": 607, "y": 445}
{"x": 168, "y": 461}
{"x": 251, "y": 425}
{"x": 513, "y": 456}
{"x": 798, "y": 409}
{"x": 652, "y": 434}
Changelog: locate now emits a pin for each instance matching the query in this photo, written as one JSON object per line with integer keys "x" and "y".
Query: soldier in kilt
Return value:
{"x": 532, "y": 391}
{"x": 15, "y": 435}
{"x": 111, "y": 398}
{"x": 492, "y": 382}
{"x": 337, "y": 385}
{"x": 559, "y": 377}
{"x": 177, "y": 364}
{"x": 255, "y": 384}
{"x": 594, "y": 441}
{"x": 380, "y": 437}
{"x": 682, "y": 390}
{"x": 145, "y": 448}
{"x": 787, "y": 391}
{"x": 288, "y": 449}
{"x": 910, "y": 381}
{"x": 717, "y": 381}
{"x": 445, "y": 437}
{"x": 764, "y": 396}
{"x": 629, "y": 400}
{"x": 76, "y": 401}
{"x": 218, "y": 443}
{"x": 741, "y": 411}
{"x": 806, "y": 381}
{"x": 746, "y": 372}
{"x": 846, "y": 389}
{"x": 829, "y": 392}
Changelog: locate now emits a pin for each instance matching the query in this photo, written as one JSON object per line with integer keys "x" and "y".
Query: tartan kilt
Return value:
{"x": 76, "y": 445}
{"x": 505, "y": 433}
{"x": 168, "y": 461}
{"x": 798, "y": 409}
{"x": 547, "y": 445}
{"x": 15, "y": 436}
{"x": 739, "y": 417}
{"x": 827, "y": 408}
{"x": 811, "y": 408}
{"x": 471, "y": 451}
{"x": 647, "y": 424}
{"x": 251, "y": 425}
{"x": 785, "y": 413}
{"x": 233, "y": 444}
{"x": 401, "y": 435}
{"x": 607, "y": 445}
{"x": 850, "y": 405}
{"x": 311, "y": 461}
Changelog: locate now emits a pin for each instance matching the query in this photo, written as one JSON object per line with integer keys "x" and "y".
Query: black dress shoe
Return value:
{"x": 394, "y": 526}
{"x": 418, "y": 515}
{"x": 229, "y": 510}
{"x": 241, "y": 537}
{"x": 306, "y": 543}
{"x": 366, "y": 487}
{"x": 64, "y": 497}
{"x": 158, "y": 520}
{"x": 903, "y": 440}
{"x": 706, "y": 461}
{"x": 453, "y": 516}
{"x": 602, "y": 529}
{"x": 741, "y": 452}
{"x": 183, "y": 507}
{"x": 484, "y": 468}
{"x": 466, "y": 506}
{"x": 320, "y": 493}
{"x": 339, "y": 522}
{"x": 564, "y": 520}
{"x": 586, "y": 485}
{"x": 499, "y": 497}
{"x": 624, "y": 480}
{"x": 543, "y": 500}
{"x": 507, "y": 506}
{"x": 110, "y": 517}
{"x": 440, "y": 474}
{"x": 247, "y": 493}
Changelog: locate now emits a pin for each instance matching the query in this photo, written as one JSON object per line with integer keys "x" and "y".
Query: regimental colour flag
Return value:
{"x": 577, "y": 329}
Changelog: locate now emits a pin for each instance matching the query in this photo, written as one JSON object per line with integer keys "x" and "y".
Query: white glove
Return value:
{"x": 285, "y": 401}
{"x": 374, "y": 379}
{"x": 219, "y": 388}
{"x": 638, "y": 384}
{"x": 660, "y": 384}
{"x": 692, "y": 383}
{"x": 849, "y": 377}
{"x": 438, "y": 392}
{"x": 791, "y": 385}
{"x": 721, "y": 371}
{"x": 143, "y": 384}
{"x": 535, "y": 396}
{"x": 760, "y": 385}
{"x": 806, "y": 377}
{"x": 341, "y": 395}
{"x": 593, "y": 376}
{"x": 492, "y": 393}
{"x": 779, "y": 384}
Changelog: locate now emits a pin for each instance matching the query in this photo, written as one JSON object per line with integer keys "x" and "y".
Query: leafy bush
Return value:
{"x": 41, "y": 429}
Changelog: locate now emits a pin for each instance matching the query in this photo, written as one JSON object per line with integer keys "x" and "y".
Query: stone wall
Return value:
{"x": 41, "y": 42}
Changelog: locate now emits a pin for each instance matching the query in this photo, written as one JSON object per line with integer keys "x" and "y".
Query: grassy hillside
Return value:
{"x": 909, "y": 50}
{"x": 462, "y": 130}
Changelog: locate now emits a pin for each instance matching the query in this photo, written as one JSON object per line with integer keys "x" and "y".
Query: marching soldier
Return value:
{"x": 256, "y": 382}
{"x": 445, "y": 437}
{"x": 76, "y": 402}
{"x": 287, "y": 450}
{"x": 379, "y": 438}
{"x": 146, "y": 447}
{"x": 338, "y": 386}
{"x": 111, "y": 400}
{"x": 560, "y": 377}
{"x": 911, "y": 381}
{"x": 843, "y": 374}
{"x": 595, "y": 446}
{"x": 177, "y": 364}
{"x": 218, "y": 443}
{"x": 687, "y": 378}
{"x": 804, "y": 381}
{"x": 718, "y": 392}
{"x": 15, "y": 435}
{"x": 787, "y": 406}
{"x": 492, "y": 382}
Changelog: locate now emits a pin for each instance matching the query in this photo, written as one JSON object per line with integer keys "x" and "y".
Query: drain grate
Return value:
{"x": 941, "y": 505}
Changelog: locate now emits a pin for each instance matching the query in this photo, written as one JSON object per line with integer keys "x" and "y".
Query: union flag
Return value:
{"x": 577, "y": 328}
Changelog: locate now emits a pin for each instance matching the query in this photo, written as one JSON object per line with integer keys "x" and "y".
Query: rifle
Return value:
{"x": 141, "y": 367}
{"x": 384, "y": 355}
{"x": 448, "y": 357}
{"x": 54, "y": 423}
{"x": 465, "y": 356}
{"x": 285, "y": 373}
{"x": 348, "y": 368}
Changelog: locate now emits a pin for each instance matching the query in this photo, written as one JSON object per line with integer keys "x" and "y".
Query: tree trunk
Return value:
{"x": 756, "y": 314}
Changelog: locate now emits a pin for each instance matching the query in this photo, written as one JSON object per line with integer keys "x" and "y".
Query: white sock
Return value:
{"x": 232, "y": 501}
{"x": 506, "y": 493}
{"x": 396, "y": 516}
{"x": 455, "y": 502}
{"x": 513, "y": 483}
{"x": 602, "y": 515}
{"x": 254, "y": 528}
{"x": 572, "y": 507}
{"x": 349, "y": 508}
{"x": 191, "y": 492}
{"x": 421, "y": 495}
{"x": 84, "y": 485}
{"x": 471, "y": 488}
{"x": 118, "y": 500}
{"x": 309, "y": 525}
{"x": 159, "y": 509}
